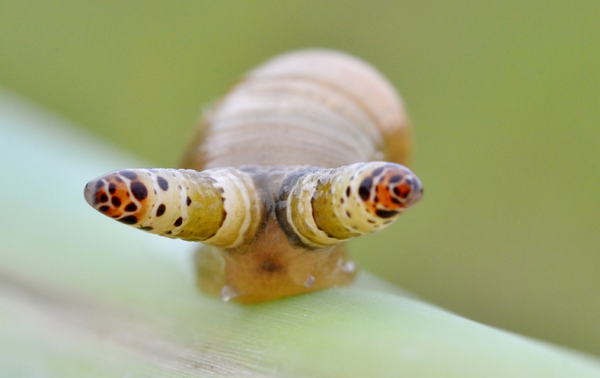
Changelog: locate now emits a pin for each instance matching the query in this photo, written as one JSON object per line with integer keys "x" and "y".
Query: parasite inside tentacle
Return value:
{"x": 329, "y": 206}
{"x": 277, "y": 221}
{"x": 215, "y": 206}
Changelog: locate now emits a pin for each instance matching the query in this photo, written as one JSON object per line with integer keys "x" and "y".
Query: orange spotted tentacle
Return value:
{"x": 217, "y": 206}
{"x": 302, "y": 136}
{"x": 323, "y": 207}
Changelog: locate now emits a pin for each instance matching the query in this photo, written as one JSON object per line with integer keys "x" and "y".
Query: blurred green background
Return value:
{"x": 505, "y": 99}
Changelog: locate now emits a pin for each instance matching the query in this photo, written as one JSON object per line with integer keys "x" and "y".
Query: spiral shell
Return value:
{"x": 303, "y": 154}
{"x": 313, "y": 107}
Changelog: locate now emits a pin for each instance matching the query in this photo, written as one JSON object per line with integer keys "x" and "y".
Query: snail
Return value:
{"x": 303, "y": 154}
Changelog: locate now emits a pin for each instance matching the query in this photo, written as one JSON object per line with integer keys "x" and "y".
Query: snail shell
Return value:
{"x": 303, "y": 154}
{"x": 313, "y": 107}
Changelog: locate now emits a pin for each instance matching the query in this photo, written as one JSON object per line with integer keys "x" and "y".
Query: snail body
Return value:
{"x": 302, "y": 155}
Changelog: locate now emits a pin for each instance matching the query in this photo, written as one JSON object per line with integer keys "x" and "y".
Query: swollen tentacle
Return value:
{"x": 280, "y": 217}
{"x": 323, "y": 207}
{"x": 216, "y": 206}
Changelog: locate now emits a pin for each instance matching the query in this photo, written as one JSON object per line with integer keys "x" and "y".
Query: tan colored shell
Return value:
{"x": 275, "y": 115}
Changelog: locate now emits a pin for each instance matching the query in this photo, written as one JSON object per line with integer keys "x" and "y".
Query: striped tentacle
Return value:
{"x": 323, "y": 207}
{"x": 216, "y": 206}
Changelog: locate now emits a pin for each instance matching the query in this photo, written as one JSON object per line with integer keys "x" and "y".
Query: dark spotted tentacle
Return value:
{"x": 324, "y": 207}
{"x": 217, "y": 206}
{"x": 278, "y": 219}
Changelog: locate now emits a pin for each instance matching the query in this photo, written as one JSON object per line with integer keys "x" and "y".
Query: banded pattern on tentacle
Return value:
{"x": 323, "y": 207}
{"x": 299, "y": 132}
{"x": 216, "y": 206}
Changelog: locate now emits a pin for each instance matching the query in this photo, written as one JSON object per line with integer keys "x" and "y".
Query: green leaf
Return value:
{"x": 80, "y": 295}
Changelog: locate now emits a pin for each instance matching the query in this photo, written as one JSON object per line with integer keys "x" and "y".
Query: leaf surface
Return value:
{"x": 83, "y": 296}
